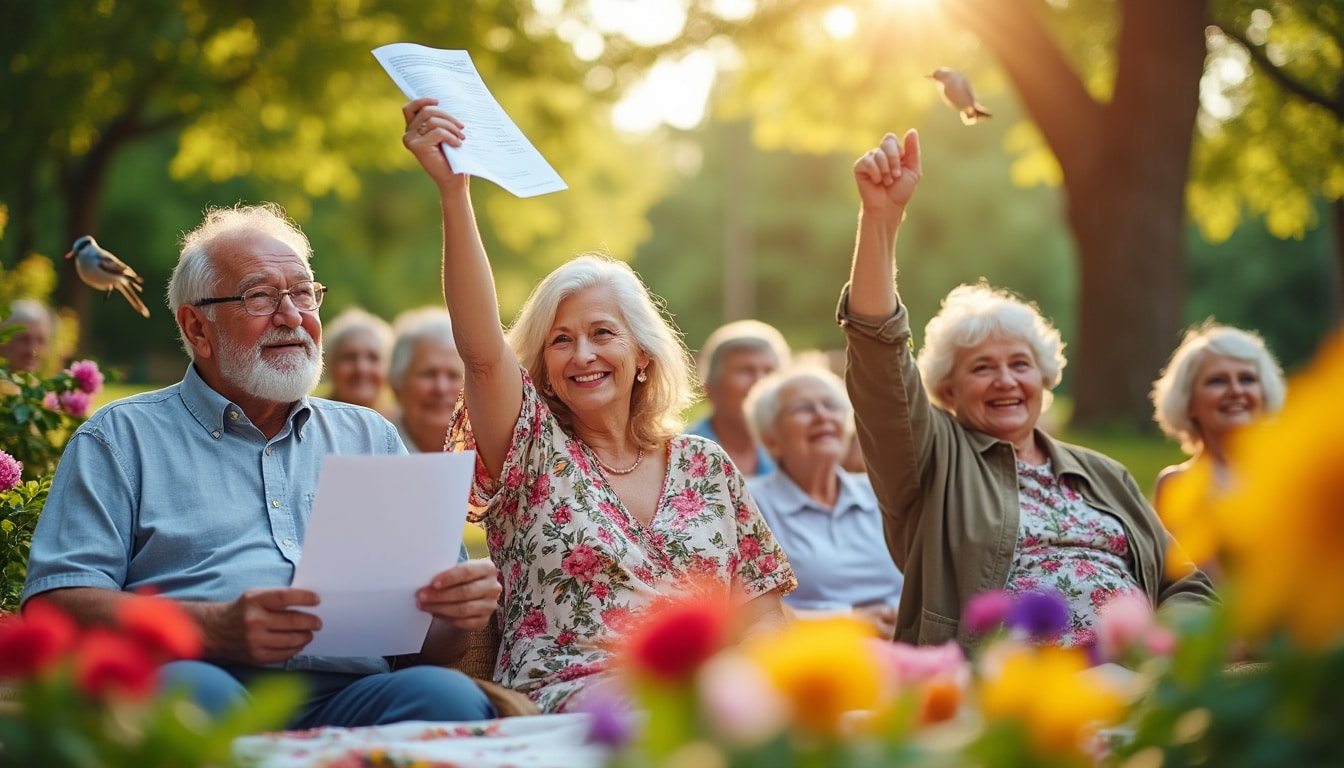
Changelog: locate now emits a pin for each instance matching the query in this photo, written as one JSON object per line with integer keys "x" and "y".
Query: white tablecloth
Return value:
{"x": 553, "y": 741}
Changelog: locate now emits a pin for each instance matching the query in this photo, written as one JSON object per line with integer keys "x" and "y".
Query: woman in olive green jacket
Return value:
{"x": 974, "y": 495}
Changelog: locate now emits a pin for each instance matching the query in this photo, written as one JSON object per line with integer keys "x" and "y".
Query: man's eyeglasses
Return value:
{"x": 264, "y": 300}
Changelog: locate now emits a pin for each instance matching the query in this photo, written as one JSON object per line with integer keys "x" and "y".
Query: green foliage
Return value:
{"x": 19, "y": 508}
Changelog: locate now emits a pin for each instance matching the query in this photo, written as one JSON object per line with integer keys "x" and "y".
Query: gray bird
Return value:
{"x": 959, "y": 95}
{"x": 102, "y": 271}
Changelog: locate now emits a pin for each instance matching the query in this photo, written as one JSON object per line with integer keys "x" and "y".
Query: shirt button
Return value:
{"x": 275, "y": 502}
{"x": 268, "y": 450}
{"x": 287, "y": 543}
{"x": 215, "y": 434}
{"x": 233, "y": 415}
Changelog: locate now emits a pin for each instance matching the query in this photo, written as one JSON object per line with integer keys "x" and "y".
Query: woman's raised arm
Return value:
{"x": 494, "y": 384}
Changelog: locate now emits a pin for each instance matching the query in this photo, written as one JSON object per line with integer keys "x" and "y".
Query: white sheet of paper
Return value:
{"x": 380, "y": 529}
{"x": 495, "y": 148}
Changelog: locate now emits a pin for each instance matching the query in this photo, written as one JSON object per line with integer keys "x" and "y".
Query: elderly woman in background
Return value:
{"x": 26, "y": 348}
{"x": 356, "y": 345}
{"x": 426, "y": 376}
{"x": 826, "y": 519}
{"x": 974, "y": 495}
{"x": 593, "y": 502}
{"x": 1219, "y": 379}
{"x": 735, "y": 357}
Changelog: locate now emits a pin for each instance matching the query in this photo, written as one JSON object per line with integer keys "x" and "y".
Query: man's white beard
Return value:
{"x": 289, "y": 381}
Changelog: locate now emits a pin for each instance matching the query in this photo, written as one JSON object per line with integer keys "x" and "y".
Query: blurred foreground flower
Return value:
{"x": 92, "y": 697}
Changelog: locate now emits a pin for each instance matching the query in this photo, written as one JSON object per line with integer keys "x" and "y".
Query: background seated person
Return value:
{"x": 826, "y": 519}
{"x": 426, "y": 375}
{"x": 735, "y": 357}
{"x": 974, "y": 495}
{"x": 201, "y": 493}
{"x": 594, "y": 503}
{"x": 26, "y": 350}
{"x": 357, "y": 346}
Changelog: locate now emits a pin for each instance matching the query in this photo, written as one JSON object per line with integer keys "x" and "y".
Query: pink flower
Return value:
{"x": 582, "y": 563}
{"x": 514, "y": 478}
{"x": 86, "y": 375}
{"x": 50, "y": 402}
{"x": 541, "y": 488}
{"x": 769, "y": 564}
{"x": 76, "y": 403}
{"x": 534, "y": 623}
{"x": 1083, "y": 569}
{"x": 916, "y": 665}
{"x": 740, "y": 702}
{"x": 617, "y": 618}
{"x": 561, "y": 515}
{"x": 11, "y": 472}
{"x": 750, "y": 547}
{"x": 564, "y": 638}
{"x": 1122, "y": 624}
{"x": 688, "y": 503}
{"x": 987, "y": 611}
{"x": 699, "y": 465}
{"x": 600, "y": 591}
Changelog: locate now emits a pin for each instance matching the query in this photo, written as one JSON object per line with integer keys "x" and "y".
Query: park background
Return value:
{"x": 1149, "y": 164}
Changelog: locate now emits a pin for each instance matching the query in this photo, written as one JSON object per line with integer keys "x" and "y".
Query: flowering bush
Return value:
{"x": 87, "y": 696}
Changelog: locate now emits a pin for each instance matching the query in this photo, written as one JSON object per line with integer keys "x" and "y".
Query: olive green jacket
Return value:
{"x": 949, "y": 494}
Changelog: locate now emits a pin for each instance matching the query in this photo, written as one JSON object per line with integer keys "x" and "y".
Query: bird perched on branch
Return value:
{"x": 959, "y": 95}
{"x": 102, "y": 271}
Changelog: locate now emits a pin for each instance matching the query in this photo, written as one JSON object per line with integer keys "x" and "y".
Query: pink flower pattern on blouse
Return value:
{"x": 1069, "y": 547}
{"x": 587, "y": 567}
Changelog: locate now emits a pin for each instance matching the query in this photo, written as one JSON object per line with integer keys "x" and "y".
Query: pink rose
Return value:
{"x": 86, "y": 376}
{"x": 561, "y": 515}
{"x": 750, "y": 547}
{"x": 76, "y": 403}
{"x": 534, "y": 623}
{"x": 514, "y": 478}
{"x": 699, "y": 465}
{"x": 688, "y": 503}
{"x": 916, "y": 665}
{"x": 540, "y": 490}
{"x": 582, "y": 563}
{"x": 768, "y": 564}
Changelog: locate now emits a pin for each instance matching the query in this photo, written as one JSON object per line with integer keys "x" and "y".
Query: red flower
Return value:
{"x": 600, "y": 591}
{"x": 107, "y": 663}
{"x": 33, "y": 643}
{"x": 676, "y": 637}
{"x": 687, "y": 503}
{"x": 541, "y": 488}
{"x": 750, "y": 547}
{"x": 768, "y": 564}
{"x": 161, "y": 626}
{"x": 699, "y": 465}
{"x": 561, "y": 515}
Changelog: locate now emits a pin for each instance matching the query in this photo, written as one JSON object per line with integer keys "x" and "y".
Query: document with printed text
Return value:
{"x": 494, "y": 148}
{"x": 380, "y": 529}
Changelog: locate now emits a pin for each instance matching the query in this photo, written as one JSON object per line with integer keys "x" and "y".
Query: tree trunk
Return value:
{"x": 1125, "y": 166}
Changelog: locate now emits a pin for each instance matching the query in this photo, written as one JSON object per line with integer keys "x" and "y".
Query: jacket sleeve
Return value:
{"x": 893, "y": 417}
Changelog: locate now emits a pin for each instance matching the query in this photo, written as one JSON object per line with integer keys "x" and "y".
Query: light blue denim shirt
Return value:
{"x": 702, "y": 428}
{"x": 176, "y": 490}
{"x": 839, "y": 555}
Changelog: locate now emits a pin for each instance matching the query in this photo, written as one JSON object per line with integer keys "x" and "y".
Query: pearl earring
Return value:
{"x": 641, "y": 377}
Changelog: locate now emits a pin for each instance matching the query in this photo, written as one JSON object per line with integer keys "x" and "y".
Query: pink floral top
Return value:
{"x": 576, "y": 567}
{"x": 1067, "y": 546}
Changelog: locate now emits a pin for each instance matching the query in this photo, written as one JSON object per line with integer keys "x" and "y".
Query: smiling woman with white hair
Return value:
{"x": 826, "y": 519}
{"x": 1219, "y": 379}
{"x": 975, "y": 496}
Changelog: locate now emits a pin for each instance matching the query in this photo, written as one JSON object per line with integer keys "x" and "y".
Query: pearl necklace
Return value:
{"x": 638, "y": 458}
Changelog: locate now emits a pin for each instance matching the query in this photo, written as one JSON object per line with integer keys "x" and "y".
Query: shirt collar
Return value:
{"x": 213, "y": 411}
{"x": 792, "y": 499}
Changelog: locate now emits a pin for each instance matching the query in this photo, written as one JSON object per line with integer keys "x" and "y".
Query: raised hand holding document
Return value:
{"x": 495, "y": 149}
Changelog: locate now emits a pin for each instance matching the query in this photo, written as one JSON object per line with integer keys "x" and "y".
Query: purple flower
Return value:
{"x": 987, "y": 611}
{"x": 11, "y": 472}
{"x": 86, "y": 375}
{"x": 612, "y": 724}
{"x": 76, "y": 403}
{"x": 1042, "y": 615}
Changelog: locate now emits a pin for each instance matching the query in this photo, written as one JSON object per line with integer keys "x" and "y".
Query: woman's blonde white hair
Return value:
{"x": 973, "y": 314}
{"x": 655, "y": 404}
{"x": 1173, "y": 389}
{"x": 765, "y": 400}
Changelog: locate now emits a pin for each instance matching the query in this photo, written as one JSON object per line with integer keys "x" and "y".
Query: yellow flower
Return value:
{"x": 1185, "y": 513}
{"x": 823, "y": 669}
{"x": 1283, "y": 523}
{"x": 1042, "y": 688}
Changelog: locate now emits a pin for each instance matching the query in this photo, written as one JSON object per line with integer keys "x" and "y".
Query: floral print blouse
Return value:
{"x": 577, "y": 568}
{"x": 1068, "y": 547}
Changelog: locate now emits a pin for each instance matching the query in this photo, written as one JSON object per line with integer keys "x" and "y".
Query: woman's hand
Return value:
{"x": 464, "y": 596}
{"x": 888, "y": 174}
{"x": 427, "y": 127}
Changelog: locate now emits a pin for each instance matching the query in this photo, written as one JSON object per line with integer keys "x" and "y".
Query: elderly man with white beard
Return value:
{"x": 201, "y": 493}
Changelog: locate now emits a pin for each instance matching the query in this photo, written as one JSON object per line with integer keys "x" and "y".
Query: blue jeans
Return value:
{"x": 436, "y": 694}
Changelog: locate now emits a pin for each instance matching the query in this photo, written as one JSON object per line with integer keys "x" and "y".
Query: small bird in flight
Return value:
{"x": 102, "y": 271}
{"x": 959, "y": 95}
